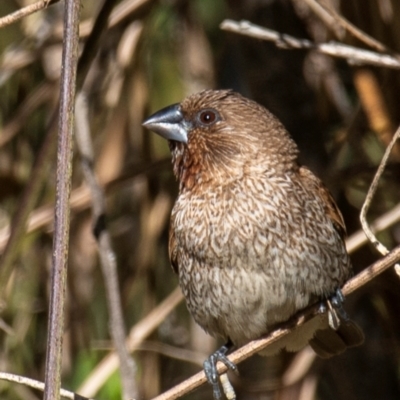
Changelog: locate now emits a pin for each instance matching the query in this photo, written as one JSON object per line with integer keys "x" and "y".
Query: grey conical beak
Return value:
{"x": 169, "y": 123}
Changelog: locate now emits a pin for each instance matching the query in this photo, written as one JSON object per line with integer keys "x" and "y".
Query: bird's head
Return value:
{"x": 218, "y": 136}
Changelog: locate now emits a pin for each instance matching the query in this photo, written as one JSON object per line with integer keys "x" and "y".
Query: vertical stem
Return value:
{"x": 63, "y": 189}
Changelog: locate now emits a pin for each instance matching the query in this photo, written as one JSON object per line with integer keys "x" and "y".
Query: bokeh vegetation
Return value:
{"x": 341, "y": 115}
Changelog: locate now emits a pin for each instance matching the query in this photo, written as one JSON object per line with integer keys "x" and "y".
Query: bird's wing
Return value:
{"x": 331, "y": 209}
{"x": 173, "y": 249}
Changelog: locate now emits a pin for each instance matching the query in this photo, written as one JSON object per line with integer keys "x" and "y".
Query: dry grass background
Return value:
{"x": 153, "y": 54}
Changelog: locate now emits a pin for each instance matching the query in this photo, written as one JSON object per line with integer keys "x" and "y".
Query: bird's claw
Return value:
{"x": 336, "y": 311}
{"x": 210, "y": 369}
{"x": 212, "y": 376}
{"x": 337, "y": 300}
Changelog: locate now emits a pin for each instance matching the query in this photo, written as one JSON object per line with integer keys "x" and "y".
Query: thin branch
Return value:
{"x": 358, "y": 239}
{"x": 352, "y": 54}
{"x": 371, "y": 192}
{"x": 34, "y": 384}
{"x": 107, "y": 255}
{"x": 63, "y": 191}
{"x": 325, "y": 17}
{"x": 257, "y": 345}
{"x": 25, "y": 11}
{"x": 351, "y": 28}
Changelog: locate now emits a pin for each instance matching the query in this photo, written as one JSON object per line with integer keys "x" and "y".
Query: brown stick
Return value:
{"x": 352, "y": 54}
{"x": 25, "y": 11}
{"x": 63, "y": 191}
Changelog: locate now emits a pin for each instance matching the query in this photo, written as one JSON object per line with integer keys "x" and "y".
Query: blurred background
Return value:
{"x": 154, "y": 53}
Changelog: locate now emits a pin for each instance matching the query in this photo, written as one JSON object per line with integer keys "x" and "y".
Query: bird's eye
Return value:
{"x": 207, "y": 117}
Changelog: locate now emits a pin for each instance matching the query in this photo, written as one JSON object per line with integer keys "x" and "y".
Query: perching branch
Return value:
{"x": 353, "y": 55}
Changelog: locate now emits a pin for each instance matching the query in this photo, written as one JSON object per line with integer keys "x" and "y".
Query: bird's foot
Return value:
{"x": 210, "y": 369}
{"x": 336, "y": 312}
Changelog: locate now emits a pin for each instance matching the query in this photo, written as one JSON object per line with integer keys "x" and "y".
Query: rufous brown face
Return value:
{"x": 214, "y": 134}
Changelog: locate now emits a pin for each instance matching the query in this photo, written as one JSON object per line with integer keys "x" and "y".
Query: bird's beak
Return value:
{"x": 169, "y": 123}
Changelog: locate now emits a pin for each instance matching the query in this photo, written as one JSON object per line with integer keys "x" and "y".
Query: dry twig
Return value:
{"x": 326, "y": 17}
{"x": 38, "y": 385}
{"x": 63, "y": 191}
{"x": 107, "y": 255}
{"x": 352, "y": 54}
{"x": 25, "y": 11}
{"x": 358, "y": 239}
{"x": 371, "y": 191}
{"x": 322, "y": 9}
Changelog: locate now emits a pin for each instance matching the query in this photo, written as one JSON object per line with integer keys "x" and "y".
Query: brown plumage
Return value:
{"x": 254, "y": 237}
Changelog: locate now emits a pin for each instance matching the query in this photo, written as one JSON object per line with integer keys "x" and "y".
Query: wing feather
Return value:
{"x": 331, "y": 209}
{"x": 173, "y": 249}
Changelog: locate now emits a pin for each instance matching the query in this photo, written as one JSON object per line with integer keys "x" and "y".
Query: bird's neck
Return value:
{"x": 201, "y": 170}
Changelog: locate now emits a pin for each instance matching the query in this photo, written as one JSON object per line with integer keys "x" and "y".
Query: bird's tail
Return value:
{"x": 329, "y": 342}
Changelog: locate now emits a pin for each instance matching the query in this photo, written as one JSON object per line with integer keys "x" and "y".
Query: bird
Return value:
{"x": 254, "y": 236}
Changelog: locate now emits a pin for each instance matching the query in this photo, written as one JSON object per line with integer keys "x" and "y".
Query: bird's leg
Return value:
{"x": 210, "y": 368}
{"x": 336, "y": 311}
{"x": 337, "y": 301}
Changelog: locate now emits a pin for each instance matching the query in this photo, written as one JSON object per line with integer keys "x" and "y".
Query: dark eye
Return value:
{"x": 207, "y": 117}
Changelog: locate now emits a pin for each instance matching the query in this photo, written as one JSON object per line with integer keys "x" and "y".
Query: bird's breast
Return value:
{"x": 249, "y": 255}
{"x": 228, "y": 224}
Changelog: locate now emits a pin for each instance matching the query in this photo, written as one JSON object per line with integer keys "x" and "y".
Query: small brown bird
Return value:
{"x": 254, "y": 236}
